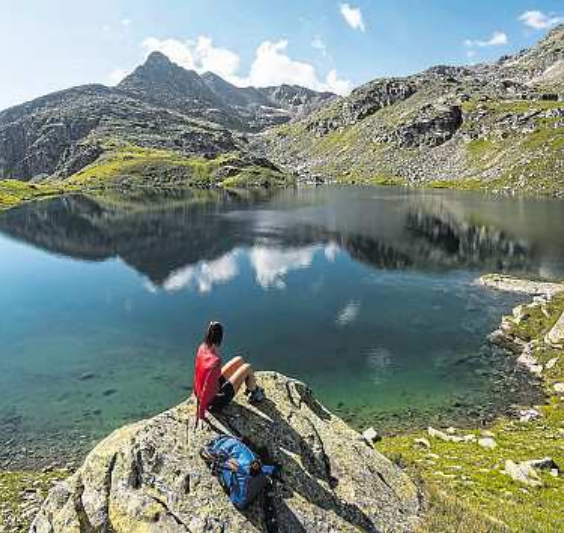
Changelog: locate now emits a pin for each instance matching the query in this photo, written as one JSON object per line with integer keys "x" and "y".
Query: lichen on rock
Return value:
{"x": 149, "y": 476}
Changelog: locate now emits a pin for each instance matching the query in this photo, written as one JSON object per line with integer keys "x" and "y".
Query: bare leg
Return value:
{"x": 244, "y": 374}
{"x": 231, "y": 367}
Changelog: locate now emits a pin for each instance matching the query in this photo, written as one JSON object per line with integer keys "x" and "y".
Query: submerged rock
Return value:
{"x": 149, "y": 477}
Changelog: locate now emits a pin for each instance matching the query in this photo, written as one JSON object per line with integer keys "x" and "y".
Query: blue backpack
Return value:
{"x": 239, "y": 470}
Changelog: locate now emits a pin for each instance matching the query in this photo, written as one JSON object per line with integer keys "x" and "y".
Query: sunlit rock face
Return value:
{"x": 149, "y": 476}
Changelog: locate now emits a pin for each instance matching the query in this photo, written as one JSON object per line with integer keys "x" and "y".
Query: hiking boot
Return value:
{"x": 256, "y": 395}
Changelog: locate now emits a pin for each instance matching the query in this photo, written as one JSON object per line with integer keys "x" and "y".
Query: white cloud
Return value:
{"x": 498, "y": 38}
{"x": 272, "y": 264}
{"x": 539, "y": 20}
{"x": 318, "y": 43}
{"x": 200, "y": 55}
{"x": 271, "y": 66}
{"x": 204, "y": 275}
{"x": 352, "y": 16}
{"x": 220, "y": 60}
{"x": 348, "y": 314}
{"x": 117, "y": 75}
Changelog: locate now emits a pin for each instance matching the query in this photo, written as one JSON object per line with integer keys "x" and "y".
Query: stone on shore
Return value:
{"x": 510, "y": 284}
{"x": 526, "y": 471}
{"x": 556, "y": 335}
{"x": 148, "y": 477}
{"x": 450, "y": 437}
{"x": 522, "y": 473}
{"x": 487, "y": 442}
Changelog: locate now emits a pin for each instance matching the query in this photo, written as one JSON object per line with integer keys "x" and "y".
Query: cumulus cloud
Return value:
{"x": 271, "y": 66}
{"x": 538, "y": 20}
{"x": 204, "y": 275}
{"x": 352, "y": 16}
{"x": 498, "y": 38}
{"x": 117, "y": 75}
{"x": 200, "y": 55}
{"x": 272, "y": 264}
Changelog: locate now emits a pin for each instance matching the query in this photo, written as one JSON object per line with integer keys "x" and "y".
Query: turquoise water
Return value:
{"x": 366, "y": 294}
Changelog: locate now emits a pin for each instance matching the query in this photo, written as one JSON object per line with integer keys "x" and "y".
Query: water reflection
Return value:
{"x": 363, "y": 290}
{"x": 198, "y": 240}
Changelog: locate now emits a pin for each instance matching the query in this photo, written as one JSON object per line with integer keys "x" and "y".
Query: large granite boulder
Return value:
{"x": 148, "y": 477}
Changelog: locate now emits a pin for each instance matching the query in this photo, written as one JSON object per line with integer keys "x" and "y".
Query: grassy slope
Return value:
{"x": 13, "y": 192}
{"x": 529, "y": 161}
{"x": 135, "y": 166}
{"x": 465, "y": 482}
{"x": 129, "y": 167}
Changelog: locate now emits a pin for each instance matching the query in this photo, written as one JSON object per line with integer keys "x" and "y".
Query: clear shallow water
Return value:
{"x": 366, "y": 294}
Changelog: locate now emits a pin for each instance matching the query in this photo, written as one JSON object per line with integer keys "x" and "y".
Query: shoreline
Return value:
{"x": 510, "y": 476}
{"x": 415, "y": 450}
{"x": 15, "y": 193}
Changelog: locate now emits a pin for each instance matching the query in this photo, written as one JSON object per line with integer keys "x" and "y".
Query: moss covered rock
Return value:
{"x": 149, "y": 476}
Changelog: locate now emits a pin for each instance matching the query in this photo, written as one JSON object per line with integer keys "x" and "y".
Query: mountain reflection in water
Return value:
{"x": 368, "y": 290}
{"x": 197, "y": 239}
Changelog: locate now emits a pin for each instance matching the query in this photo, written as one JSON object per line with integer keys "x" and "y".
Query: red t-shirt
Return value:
{"x": 207, "y": 370}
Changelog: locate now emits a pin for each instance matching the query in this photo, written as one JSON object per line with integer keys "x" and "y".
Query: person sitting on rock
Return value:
{"x": 215, "y": 386}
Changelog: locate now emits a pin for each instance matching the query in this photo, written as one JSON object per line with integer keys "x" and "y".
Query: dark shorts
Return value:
{"x": 224, "y": 396}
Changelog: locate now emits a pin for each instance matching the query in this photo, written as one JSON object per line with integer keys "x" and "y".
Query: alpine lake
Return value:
{"x": 367, "y": 294}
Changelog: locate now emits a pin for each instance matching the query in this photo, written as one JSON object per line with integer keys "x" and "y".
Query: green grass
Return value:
{"x": 127, "y": 168}
{"x": 18, "y": 487}
{"x": 464, "y": 482}
{"x": 14, "y": 192}
{"x": 132, "y": 166}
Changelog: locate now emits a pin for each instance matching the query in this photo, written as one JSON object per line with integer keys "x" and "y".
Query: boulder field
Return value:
{"x": 148, "y": 476}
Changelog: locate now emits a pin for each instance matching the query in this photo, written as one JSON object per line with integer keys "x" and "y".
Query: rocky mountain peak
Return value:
{"x": 158, "y": 59}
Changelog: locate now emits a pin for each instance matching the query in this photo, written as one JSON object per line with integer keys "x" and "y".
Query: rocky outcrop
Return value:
{"x": 149, "y": 477}
{"x": 504, "y": 283}
{"x": 493, "y": 126}
{"x": 362, "y": 103}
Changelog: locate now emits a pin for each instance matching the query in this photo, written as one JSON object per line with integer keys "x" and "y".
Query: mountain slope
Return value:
{"x": 210, "y": 97}
{"x": 495, "y": 126}
{"x": 159, "y": 107}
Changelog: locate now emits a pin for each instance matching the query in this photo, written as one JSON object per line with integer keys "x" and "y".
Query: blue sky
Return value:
{"x": 325, "y": 44}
